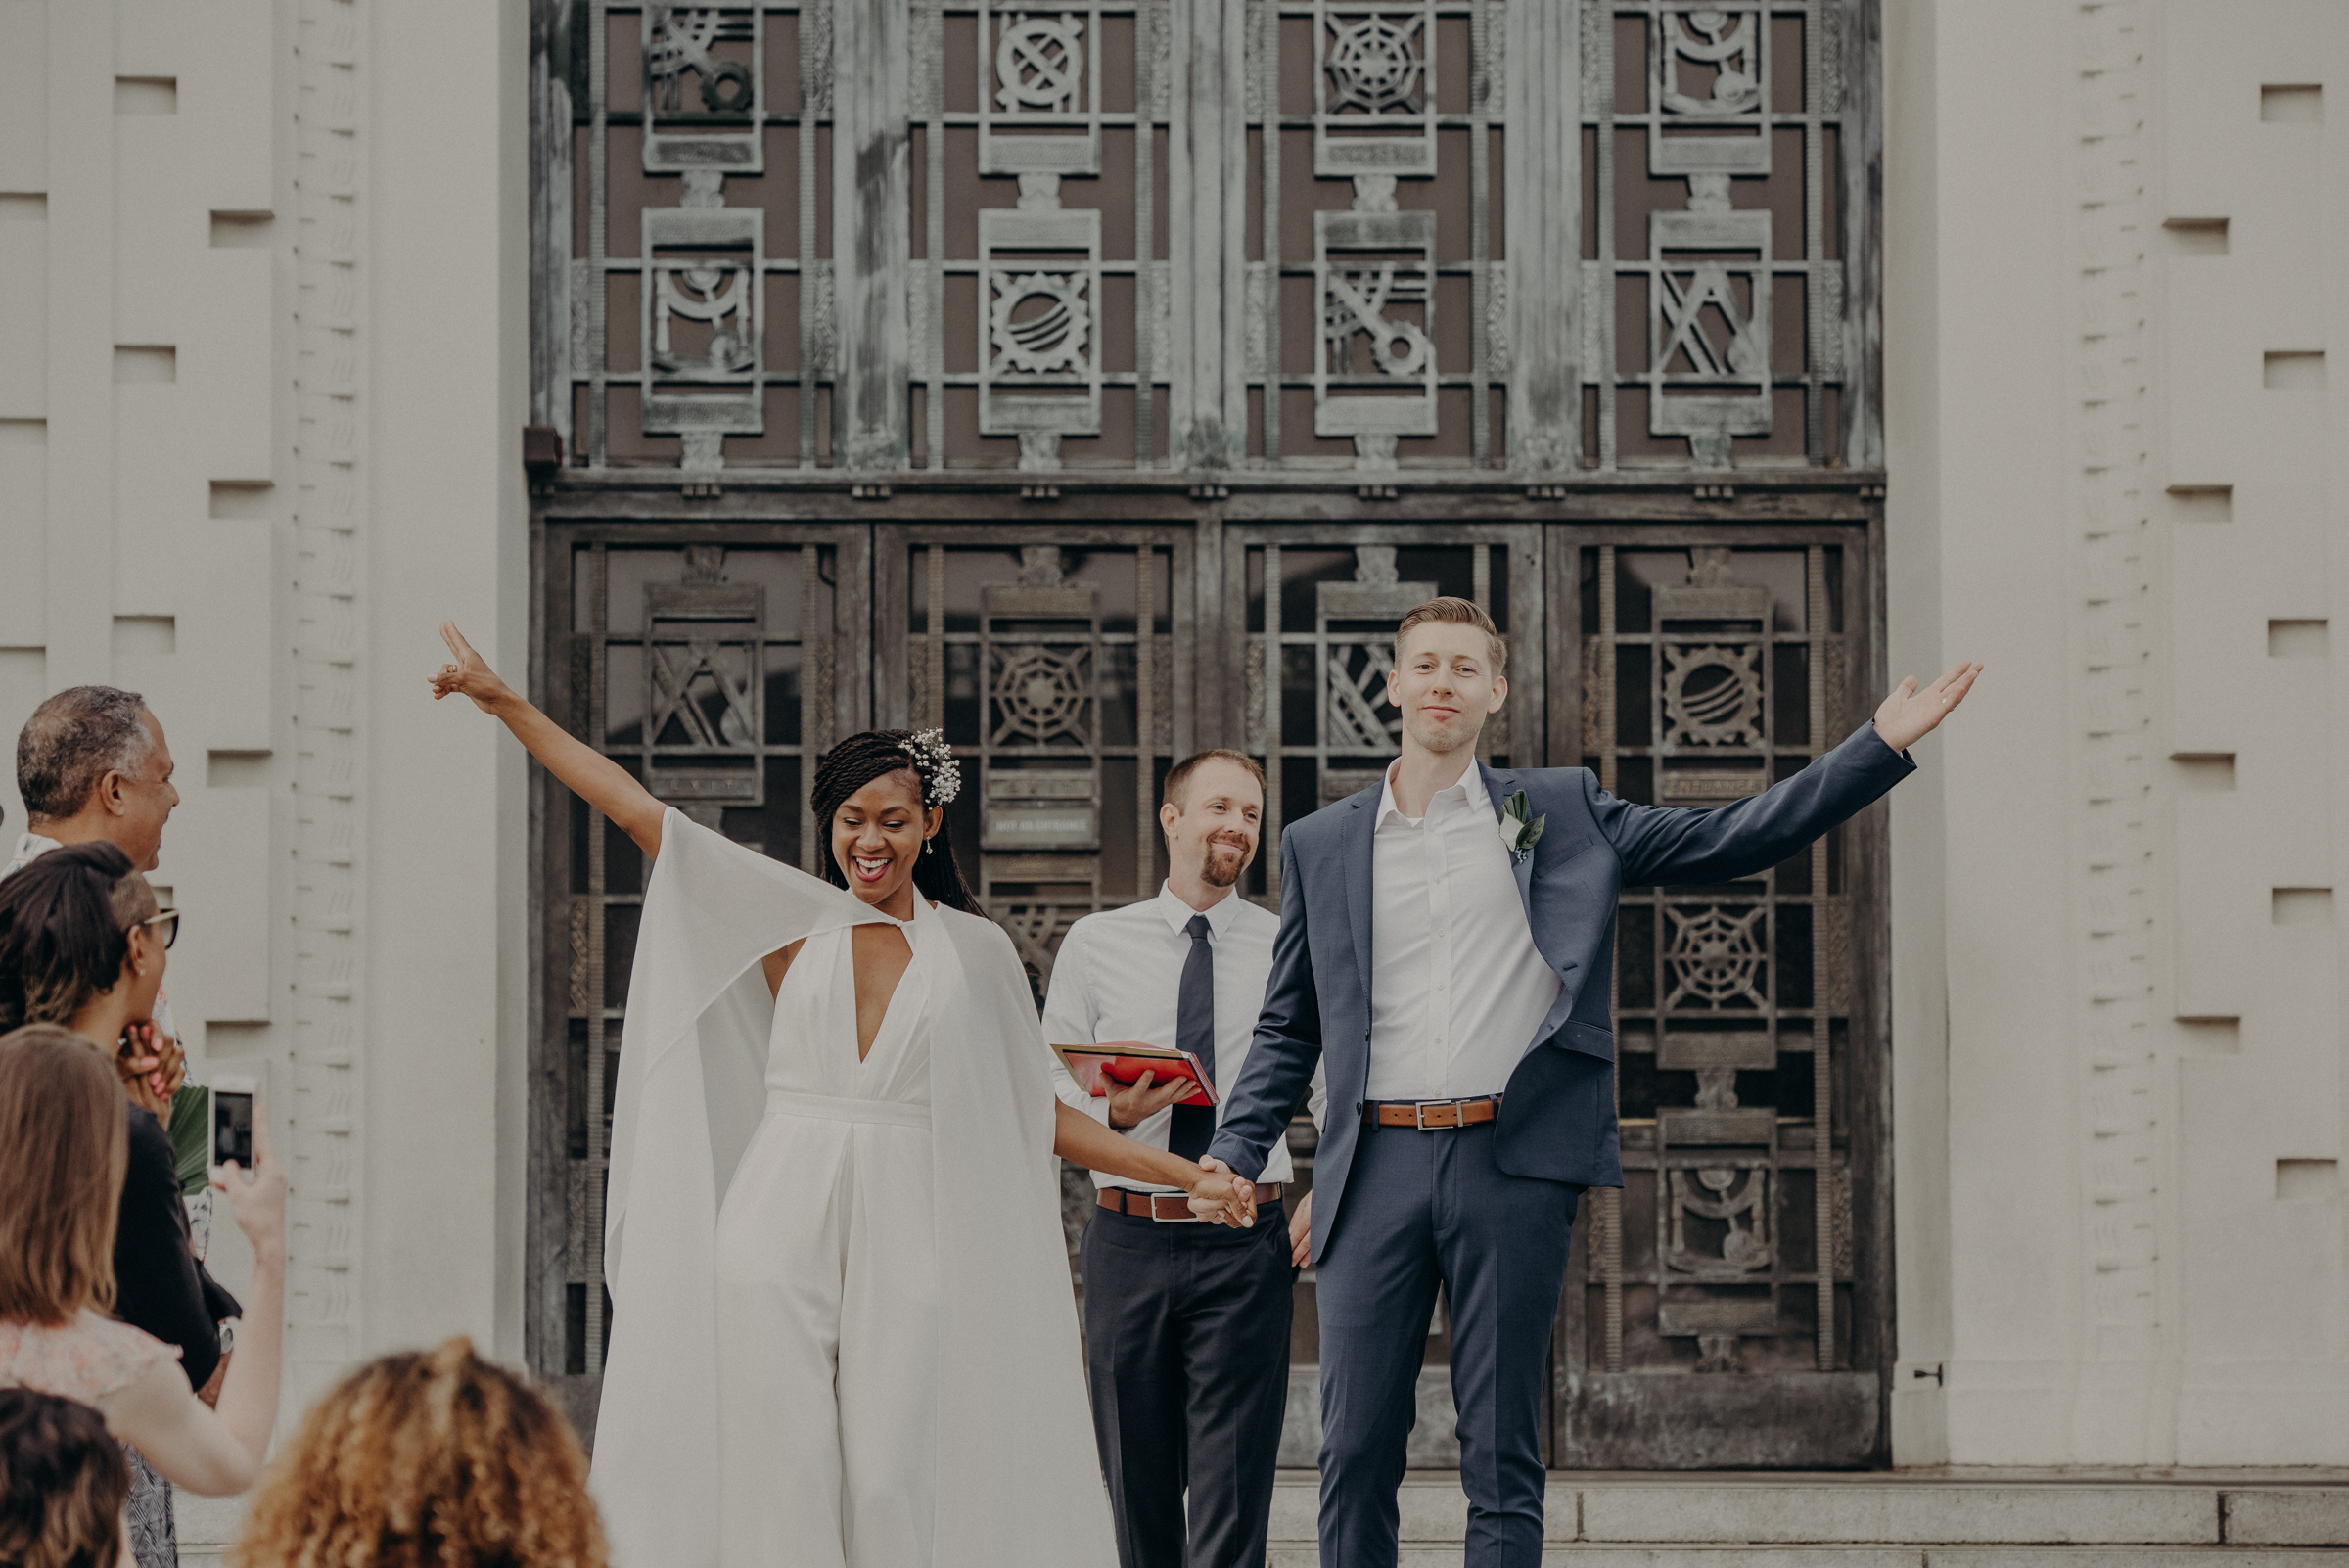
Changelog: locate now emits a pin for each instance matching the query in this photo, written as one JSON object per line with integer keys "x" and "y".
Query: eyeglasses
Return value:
{"x": 167, "y": 924}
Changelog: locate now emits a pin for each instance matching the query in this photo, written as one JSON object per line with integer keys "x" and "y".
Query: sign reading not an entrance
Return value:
{"x": 1038, "y": 809}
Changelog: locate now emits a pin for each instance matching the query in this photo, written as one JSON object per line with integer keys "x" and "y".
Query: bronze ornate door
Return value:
{"x": 1726, "y": 1306}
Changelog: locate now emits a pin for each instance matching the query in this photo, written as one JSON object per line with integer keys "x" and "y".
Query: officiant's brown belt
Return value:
{"x": 1171, "y": 1208}
{"x": 1431, "y": 1115}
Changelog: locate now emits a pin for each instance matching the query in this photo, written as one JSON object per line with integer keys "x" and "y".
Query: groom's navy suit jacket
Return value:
{"x": 1557, "y": 1116}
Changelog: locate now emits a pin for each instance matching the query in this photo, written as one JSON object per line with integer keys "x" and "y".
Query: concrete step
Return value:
{"x": 2006, "y": 1520}
{"x": 1719, "y": 1557}
{"x": 2009, "y": 1519}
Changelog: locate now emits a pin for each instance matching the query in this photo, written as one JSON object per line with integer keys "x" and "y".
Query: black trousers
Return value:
{"x": 1186, "y": 1332}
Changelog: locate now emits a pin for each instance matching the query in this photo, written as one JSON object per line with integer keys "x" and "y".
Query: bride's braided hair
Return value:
{"x": 877, "y": 752}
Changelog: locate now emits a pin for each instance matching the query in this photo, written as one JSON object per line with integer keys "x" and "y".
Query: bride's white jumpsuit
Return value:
{"x": 827, "y": 1288}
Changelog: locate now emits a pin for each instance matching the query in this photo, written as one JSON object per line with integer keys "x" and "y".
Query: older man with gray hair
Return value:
{"x": 92, "y": 764}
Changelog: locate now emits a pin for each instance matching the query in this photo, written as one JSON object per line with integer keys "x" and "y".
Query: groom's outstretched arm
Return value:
{"x": 1662, "y": 844}
{"x": 1288, "y": 1039}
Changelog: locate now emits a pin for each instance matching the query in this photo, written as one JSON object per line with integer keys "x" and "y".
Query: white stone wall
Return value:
{"x": 262, "y": 355}
{"x": 263, "y": 346}
{"x": 2117, "y": 478}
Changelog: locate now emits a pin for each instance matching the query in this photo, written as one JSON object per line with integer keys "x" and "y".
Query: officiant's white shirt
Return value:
{"x": 1457, "y": 986}
{"x": 1116, "y": 978}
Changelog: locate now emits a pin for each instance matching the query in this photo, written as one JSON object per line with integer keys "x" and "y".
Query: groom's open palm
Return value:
{"x": 1909, "y": 713}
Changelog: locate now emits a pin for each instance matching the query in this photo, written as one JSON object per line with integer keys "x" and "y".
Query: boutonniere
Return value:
{"x": 1520, "y": 830}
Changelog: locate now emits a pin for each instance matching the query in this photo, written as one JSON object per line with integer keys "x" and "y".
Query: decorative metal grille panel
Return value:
{"x": 1721, "y": 127}
{"x": 1069, "y": 702}
{"x": 1215, "y": 234}
{"x": 1709, "y": 671}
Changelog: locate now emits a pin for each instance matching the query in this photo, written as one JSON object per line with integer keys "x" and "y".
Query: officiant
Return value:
{"x": 1186, "y": 1324}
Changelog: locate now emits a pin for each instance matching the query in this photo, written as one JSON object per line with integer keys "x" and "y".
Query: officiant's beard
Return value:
{"x": 1222, "y": 863}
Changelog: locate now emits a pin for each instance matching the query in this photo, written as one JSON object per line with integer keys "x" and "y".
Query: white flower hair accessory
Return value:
{"x": 934, "y": 759}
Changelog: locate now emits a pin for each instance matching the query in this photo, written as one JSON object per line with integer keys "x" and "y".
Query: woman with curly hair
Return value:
{"x": 434, "y": 1459}
{"x": 842, "y": 1334}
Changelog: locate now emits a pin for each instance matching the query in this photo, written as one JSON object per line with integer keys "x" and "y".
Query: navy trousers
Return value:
{"x": 1186, "y": 1334}
{"x": 1423, "y": 1208}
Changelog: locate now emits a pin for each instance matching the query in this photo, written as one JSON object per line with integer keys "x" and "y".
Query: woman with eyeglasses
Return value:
{"x": 82, "y": 944}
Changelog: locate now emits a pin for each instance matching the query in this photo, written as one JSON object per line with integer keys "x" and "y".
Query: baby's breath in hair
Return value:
{"x": 934, "y": 759}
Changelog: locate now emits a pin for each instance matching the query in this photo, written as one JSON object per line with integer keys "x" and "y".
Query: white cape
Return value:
{"x": 1019, "y": 1480}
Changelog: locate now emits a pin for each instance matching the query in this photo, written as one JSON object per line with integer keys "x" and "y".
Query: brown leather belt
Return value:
{"x": 1432, "y": 1116}
{"x": 1171, "y": 1208}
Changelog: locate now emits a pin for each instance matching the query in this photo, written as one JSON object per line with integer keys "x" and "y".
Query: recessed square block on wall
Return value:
{"x": 2300, "y": 906}
{"x": 2292, "y": 370}
{"x": 2308, "y": 1181}
{"x": 2298, "y": 639}
{"x": 2292, "y": 104}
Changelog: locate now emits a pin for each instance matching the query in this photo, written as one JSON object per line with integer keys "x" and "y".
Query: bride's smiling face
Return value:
{"x": 877, "y": 836}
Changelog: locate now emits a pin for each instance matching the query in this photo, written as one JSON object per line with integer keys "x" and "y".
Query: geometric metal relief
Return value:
{"x": 1716, "y": 958}
{"x": 1039, "y": 349}
{"x": 704, "y": 97}
{"x": 1374, "y": 273}
{"x": 1039, "y": 83}
{"x": 704, "y": 320}
{"x": 1708, "y": 322}
{"x": 1039, "y": 694}
{"x": 1357, "y": 691}
{"x": 704, "y": 685}
{"x": 1710, "y": 68}
{"x": 1041, "y": 740}
{"x": 1374, "y": 97}
{"x": 1713, "y": 694}
{"x": 1738, "y": 1199}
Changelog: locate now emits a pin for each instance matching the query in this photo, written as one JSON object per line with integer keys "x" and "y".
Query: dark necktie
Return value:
{"x": 1194, "y": 1125}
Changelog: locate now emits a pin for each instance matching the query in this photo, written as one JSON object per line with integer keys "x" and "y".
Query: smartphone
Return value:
{"x": 232, "y": 1122}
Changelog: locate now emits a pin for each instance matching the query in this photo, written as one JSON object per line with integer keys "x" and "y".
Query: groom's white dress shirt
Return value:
{"x": 1116, "y": 978}
{"x": 1457, "y": 986}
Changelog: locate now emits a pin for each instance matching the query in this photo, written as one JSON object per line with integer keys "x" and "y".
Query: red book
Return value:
{"x": 1115, "y": 1063}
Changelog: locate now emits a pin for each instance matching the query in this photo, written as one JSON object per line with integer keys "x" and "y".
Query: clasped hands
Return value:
{"x": 152, "y": 1067}
{"x": 1217, "y": 1194}
{"x": 1222, "y": 1195}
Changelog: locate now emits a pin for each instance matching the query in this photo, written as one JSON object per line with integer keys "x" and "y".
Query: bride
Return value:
{"x": 842, "y": 1334}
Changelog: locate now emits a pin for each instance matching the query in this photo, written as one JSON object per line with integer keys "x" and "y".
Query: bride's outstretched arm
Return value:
{"x": 592, "y": 776}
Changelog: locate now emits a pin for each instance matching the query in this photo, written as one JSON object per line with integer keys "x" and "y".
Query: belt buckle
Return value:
{"x": 1168, "y": 1219}
{"x": 1419, "y": 1114}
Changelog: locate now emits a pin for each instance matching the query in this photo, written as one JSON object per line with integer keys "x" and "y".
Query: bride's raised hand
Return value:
{"x": 596, "y": 779}
{"x": 469, "y": 676}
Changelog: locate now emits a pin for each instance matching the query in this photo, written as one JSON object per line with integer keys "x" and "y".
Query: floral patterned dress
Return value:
{"x": 86, "y": 1360}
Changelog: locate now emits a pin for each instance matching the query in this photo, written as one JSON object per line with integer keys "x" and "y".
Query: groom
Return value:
{"x": 1446, "y": 939}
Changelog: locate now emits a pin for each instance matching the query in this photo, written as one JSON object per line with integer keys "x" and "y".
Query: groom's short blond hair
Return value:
{"x": 1458, "y": 613}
